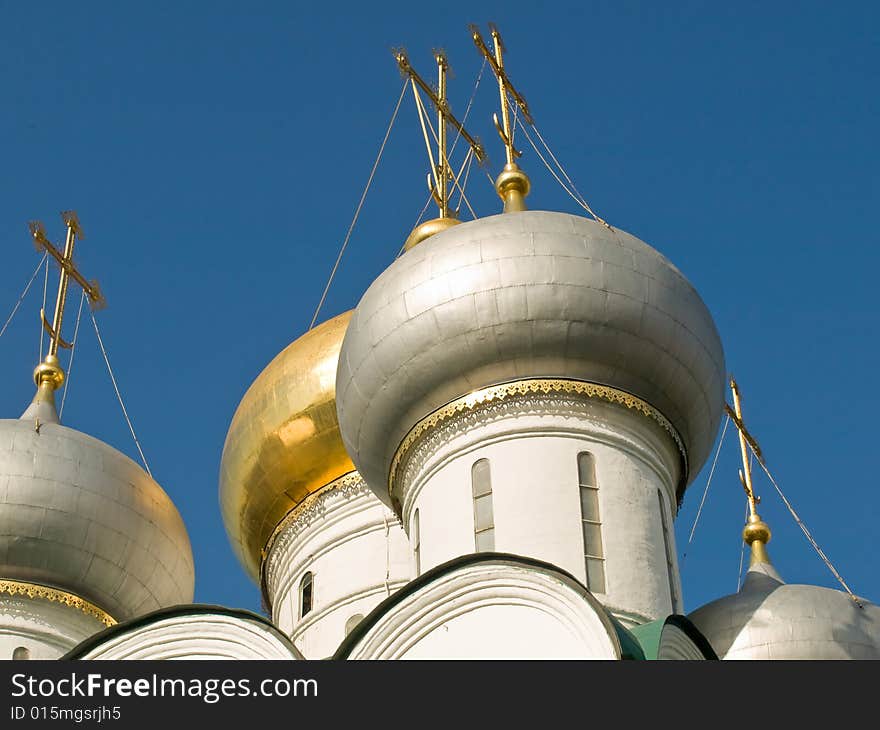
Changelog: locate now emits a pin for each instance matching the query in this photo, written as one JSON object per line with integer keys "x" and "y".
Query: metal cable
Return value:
{"x": 467, "y": 173}
{"x": 556, "y": 177}
{"x": 573, "y": 192}
{"x": 460, "y": 188}
{"x": 742, "y": 552}
{"x": 418, "y": 220}
{"x": 515, "y": 120}
{"x": 422, "y": 112}
{"x": 72, "y": 353}
{"x": 464, "y": 118}
{"x": 423, "y": 116}
{"x": 358, "y": 210}
{"x": 23, "y": 295}
{"x": 804, "y": 529}
{"x": 42, "y": 329}
{"x": 565, "y": 174}
{"x": 467, "y": 112}
{"x": 467, "y": 160}
{"x": 119, "y": 395}
{"x": 705, "y": 492}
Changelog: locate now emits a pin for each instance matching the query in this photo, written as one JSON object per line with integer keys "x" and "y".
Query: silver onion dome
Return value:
{"x": 769, "y": 619}
{"x": 525, "y": 295}
{"x": 79, "y": 516}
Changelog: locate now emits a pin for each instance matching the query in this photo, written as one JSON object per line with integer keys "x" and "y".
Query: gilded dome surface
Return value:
{"x": 769, "y": 619}
{"x": 283, "y": 443}
{"x": 79, "y": 516}
{"x": 525, "y": 295}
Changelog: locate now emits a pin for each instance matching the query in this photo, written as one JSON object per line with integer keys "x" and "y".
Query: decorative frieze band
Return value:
{"x": 35, "y": 590}
{"x": 482, "y": 402}
{"x": 306, "y": 513}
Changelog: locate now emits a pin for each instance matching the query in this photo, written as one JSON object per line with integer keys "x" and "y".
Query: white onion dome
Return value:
{"x": 525, "y": 295}
{"x": 769, "y": 619}
{"x": 79, "y": 516}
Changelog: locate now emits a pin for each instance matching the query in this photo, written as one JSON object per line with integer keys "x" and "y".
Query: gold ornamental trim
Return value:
{"x": 35, "y": 590}
{"x": 542, "y": 386}
{"x": 346, "y": 480}
{"x": 350, "y": 479}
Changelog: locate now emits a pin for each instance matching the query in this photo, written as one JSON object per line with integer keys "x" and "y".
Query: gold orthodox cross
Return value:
{"x": 68, "y": 271}
{"x": 441, "y": 173}
{"x": 440, "y": 193}
{"x": 745, "y": 440}
{"x": 505, "y": 88}
{"x": 512, "y": 184}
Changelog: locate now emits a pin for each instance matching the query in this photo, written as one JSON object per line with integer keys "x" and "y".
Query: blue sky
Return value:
{"x": 215, "y": 154}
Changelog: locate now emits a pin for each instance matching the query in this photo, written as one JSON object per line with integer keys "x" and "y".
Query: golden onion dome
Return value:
{"x": 284, "y": 442}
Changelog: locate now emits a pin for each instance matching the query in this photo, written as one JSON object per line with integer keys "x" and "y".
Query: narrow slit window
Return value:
{"x": 669, "y": 562}
{"x": 417, "y": 542}
{"x": 306, "y": 592}
{"x": 484, "y": 518}
{"x": 591, "y": 525}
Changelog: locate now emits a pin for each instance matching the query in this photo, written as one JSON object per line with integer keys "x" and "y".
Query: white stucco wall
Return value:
{"x": 47, "y": 629}
{"x": 358, "y": 555}
{"x": 200, "y": 635}
{"x": 491, "y": 610}
{"x": 533, "y": 450}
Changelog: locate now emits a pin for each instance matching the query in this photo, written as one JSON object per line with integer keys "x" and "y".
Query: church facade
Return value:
{"x": 484, "y": 459}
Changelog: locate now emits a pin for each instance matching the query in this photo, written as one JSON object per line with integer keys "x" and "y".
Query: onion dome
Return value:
{"x": 769, "y": 619}
{"x": 283, "y": 443}
{"x": 529, "y": 294}
{"x": 79, "y": 517}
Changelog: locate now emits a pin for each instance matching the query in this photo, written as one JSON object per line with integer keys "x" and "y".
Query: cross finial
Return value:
{"x": 441, "y": 172}
{"x": 512, "y": 184}
{"x": 756, "y": 533}
{"x": 49, "y": 372}
{"x": 441, "y": 177}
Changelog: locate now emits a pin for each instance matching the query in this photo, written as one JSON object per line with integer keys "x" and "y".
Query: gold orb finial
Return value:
{"x": 513, "y": 185}
{"x": 756, "y": 530}
{"x": 756, "y": 535}
{"x": 49, "y": 372}
{"x": 428, "y": 229}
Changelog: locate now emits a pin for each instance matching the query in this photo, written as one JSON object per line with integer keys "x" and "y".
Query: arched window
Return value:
{"x": 352, "y": 622}
{"x": 594, "y": 555}
{"x": 669, "y": 562}
{"x": 484, "y": 519}
{"x": 417, "y": 543}
{"x": 306, "y": 591}
{"x": 21, "y": 652}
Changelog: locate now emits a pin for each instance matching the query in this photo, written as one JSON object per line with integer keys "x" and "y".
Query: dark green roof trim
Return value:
{"x": 630, "y": 648}
{"x": 188, "y": 609}
{"x": 693, "y": 633}
{"x": 650, "y": 636}
{"x": 428, "y": 577}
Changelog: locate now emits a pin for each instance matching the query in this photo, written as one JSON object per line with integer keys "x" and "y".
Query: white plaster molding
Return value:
{"x": 573, "y": 622}
{"x": 194, "y": 636}
{"x": 530, "y": 415}
{"x": 47, "y": 628}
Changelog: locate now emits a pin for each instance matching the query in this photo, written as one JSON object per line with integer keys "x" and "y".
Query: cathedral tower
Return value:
{"x": 87, "y": 537}
{"x": 537, "y": 384}
{"x": 300, "y": 518}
